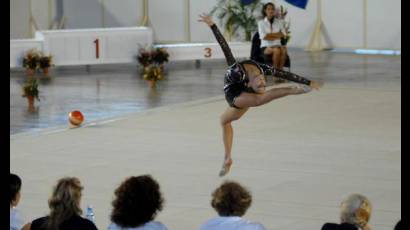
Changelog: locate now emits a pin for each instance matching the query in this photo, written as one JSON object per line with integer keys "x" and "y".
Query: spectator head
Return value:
{"x": 64, "y": 201}
{"x": 356, "y": 209}
{"x": 231, "y": 199}
{"x": 15, "y": 186}
{"x": 399, "y": 226}
{"x": 137, "y": 201}
{"x": 268, "y": 10}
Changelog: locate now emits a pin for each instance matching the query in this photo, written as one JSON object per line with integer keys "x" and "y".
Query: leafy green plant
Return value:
{"x": 286, "y": 25}
{"x": 144, "y": 57}
{"x": 30, "y": 89}
{"x": 30, "y": 60}
{"x": 45, "y": 61}
{"x": 160, "y": 56}
{"x": 236, "y": 14}
{"x": 154, "y": 73}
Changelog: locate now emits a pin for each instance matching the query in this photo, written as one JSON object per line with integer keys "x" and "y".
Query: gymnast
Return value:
{"x": 244, "y": 87}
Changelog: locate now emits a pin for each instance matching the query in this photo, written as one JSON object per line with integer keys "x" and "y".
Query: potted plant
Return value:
{"x": 152, "y": 75}
{"x": 237, "y": 14}
{"x": 144, "y": 57}
{"x": 45, "y": 63}
{"x": 286, "y": 25}
{"x": 30, "y": 91}
{"x": 30, "y": 61}
{"x": 160, "y": 56}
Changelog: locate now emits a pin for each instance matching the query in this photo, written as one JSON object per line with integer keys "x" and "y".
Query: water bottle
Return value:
{"x": 90, "y": 213}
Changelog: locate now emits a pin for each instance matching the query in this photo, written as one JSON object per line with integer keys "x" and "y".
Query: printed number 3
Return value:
{"x": 208, "y": 52}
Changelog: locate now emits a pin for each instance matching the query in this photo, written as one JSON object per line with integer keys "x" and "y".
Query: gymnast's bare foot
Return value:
{"x": 226, "y": 167}
{"x": 316, "y": 84}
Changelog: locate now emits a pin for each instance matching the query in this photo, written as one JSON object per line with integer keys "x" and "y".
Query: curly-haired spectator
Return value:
{"x": 355, "y": 213}
{"x": 137, "y": 202}
{"x": 231, "y": 201}
{"x": 65, "y": 208}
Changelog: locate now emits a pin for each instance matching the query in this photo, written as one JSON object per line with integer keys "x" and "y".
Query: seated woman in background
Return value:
{"x": 65, "y": 208}
{"x": 355, "y": 214}
{"x": 137, "y": 202}
{"x": 271, "y": 31}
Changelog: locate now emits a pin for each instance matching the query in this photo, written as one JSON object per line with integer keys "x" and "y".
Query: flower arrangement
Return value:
{"x": 281, "y": 14}
{"x": 154, "y": 73}
{"x": 45, "y": 61}
{"x": 160, "y": 56}
{"x": 145, "y": 57}
{"x": 30, "y": 60}
{"x": 153, "y": 60}
{"x": 35, "y": 59}
{"x": 30, "y": 89}
{"x": 150, "y": 55}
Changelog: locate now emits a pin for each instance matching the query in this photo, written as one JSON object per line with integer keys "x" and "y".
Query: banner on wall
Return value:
{"x": 298, "y": 3}
{"x": 247, "y": 2}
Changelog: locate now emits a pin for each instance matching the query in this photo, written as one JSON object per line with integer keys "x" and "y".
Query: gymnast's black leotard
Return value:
{"x": 235, "y": 77}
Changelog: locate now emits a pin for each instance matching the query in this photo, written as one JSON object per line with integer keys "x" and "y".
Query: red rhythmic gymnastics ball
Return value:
{"x": 76, "y": 118}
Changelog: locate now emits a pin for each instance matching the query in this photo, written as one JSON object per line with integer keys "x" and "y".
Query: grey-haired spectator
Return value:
{"x": 355, "y": 213}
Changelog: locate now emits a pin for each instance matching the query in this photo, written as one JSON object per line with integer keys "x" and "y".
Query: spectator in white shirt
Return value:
{"x": 271, "y": 31}
{"x": 231, "y": 201}
{"x": 136, "y": 204}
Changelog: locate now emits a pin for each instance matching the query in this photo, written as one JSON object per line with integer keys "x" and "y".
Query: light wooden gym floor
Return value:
{"x": 298, "y": 155}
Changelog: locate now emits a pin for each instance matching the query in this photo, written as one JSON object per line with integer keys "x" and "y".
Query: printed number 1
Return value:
{"x": 97, "y": 48}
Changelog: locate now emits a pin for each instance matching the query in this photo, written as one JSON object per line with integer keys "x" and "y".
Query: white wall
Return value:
{"x": 200, "y": 32}
{"x": 345, "y": 23}
{"x": 19, "y": 19}
{"x": 83, "y": 14}
{"x": 168, "y": 20}
{"x": 39, "y": 9}
{"x": 344, "y": 20}
{"x": 20, "y": 16}
{"x": 122, "y": 13}
{"x": 102, "y": 13}
{"x": 302, "y": 22}
{"x": 384, "y": 24}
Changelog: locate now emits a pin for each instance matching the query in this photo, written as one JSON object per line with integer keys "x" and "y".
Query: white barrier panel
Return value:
{"x": 94, "y": 46}
{"x": 79, "y": 48}
{"x": 201, "y": 51}
{"x": 19, "y": 47}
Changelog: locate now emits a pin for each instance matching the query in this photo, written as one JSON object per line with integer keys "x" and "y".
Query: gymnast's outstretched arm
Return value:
{"x": 220, "y": 38}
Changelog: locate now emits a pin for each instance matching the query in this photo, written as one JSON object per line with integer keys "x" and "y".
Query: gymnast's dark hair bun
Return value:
{"x": 237, "y": 73}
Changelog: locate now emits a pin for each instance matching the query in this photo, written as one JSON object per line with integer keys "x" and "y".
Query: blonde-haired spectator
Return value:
{"x": 65, "y": 208}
